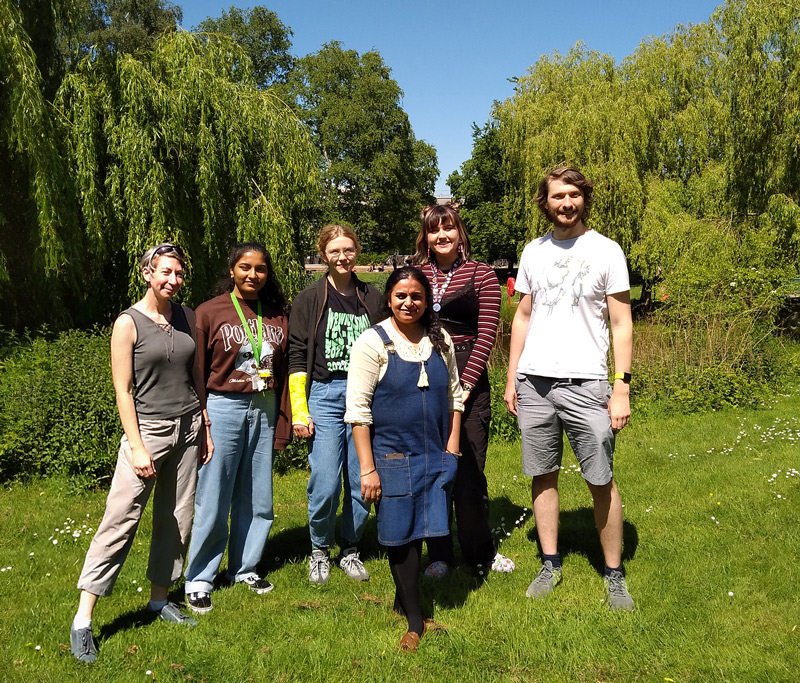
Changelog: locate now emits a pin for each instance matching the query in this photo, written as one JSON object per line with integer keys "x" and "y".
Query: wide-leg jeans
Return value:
{"x": 238, "y": 480}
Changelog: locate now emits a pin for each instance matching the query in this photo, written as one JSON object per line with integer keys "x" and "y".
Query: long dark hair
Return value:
{"x": 431, "y": 217}
{"x": 271, "y": 294}
{"x": 429, "y": 319}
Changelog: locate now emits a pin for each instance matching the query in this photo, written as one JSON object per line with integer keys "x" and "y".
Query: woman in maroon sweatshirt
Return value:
{"x": 241, "y": 341}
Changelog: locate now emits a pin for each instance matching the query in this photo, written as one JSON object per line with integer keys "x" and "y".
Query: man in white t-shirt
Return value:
{"x": 573, "y": 285}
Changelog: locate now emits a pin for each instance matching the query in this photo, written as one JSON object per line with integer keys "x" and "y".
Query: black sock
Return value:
{"x": 404, "y": 563}
{"x": 607, "y": 571}
{"x": 555, "y": 560}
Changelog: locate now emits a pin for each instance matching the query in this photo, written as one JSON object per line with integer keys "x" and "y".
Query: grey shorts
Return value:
{"x": 548, "y": 407}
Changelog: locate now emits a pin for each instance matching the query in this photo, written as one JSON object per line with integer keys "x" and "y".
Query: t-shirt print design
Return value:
{"x": 235, "y": 335}
{"x": 563, "y": 280}
{"x": 341, "y": 331}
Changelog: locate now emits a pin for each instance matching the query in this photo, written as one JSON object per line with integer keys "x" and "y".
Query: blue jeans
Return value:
{"x": 332, "y": 457}
{"x": 238, "y": 480}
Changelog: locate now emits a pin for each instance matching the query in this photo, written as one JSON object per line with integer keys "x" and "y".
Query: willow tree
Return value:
{"x": 39, "y": 235}
{"x": 182, "y": 146}
{"x": 714, "y": 107}
{"x": 693, "y": 143}
{"x": 574, "y": 109}
{"x": 172, "y": 144}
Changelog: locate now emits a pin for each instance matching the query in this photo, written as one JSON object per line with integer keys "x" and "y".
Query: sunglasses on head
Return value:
{"x": 167, "y": 248}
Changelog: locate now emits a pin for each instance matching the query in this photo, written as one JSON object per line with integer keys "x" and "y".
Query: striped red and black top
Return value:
{"x": 487, "y": 290}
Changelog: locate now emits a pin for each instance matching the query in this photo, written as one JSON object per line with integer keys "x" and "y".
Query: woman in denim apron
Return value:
{"x": 404, "y": 405}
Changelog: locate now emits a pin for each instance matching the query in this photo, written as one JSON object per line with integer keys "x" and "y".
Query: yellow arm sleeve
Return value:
{"x": 297, "y": 396}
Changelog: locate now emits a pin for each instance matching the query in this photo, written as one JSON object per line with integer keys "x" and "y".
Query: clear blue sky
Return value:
{"x": 452, "y": 59}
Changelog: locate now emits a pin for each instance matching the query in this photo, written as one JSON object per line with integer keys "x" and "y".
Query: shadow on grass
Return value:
{"x": 455, "y": 588}
{"x": 577, "y": 534}
{"x": 135, "y": 618}
{"x": 144, "y": 616}
{"x": 293, "y": 545}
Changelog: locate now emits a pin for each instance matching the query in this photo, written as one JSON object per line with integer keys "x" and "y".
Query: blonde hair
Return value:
{"x": 331, "y": 232}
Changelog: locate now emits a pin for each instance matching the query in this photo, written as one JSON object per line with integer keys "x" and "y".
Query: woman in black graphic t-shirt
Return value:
{"x": 326, "y": 319}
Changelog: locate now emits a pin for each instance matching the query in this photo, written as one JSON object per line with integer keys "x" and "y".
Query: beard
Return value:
{"x": 565, "y": 220}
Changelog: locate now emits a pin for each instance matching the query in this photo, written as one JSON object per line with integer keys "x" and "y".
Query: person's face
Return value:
{"x": 564, "y": 204}
{"x": 408, "y": 301}
{"x": 164, "y": 276}
{"x": 340, "y": 255}
{"x": 249, "y": 275}
{"x": 443, "y": 240}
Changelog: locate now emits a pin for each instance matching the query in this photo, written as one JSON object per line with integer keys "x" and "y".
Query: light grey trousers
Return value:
{"x": 174, "y": 445}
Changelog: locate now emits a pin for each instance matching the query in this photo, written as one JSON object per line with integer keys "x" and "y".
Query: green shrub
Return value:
{"x": 295, "y": 456}
{"x": 503, "y": 426}
{"x": 57, "y": 408}
{"x": 58, "y": 414}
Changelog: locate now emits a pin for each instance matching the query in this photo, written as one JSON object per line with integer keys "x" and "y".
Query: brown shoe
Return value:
{"x": 410, "y": 640}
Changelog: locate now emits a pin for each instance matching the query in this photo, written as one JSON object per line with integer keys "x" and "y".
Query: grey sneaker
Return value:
{"x": 319, "y": 566}
{"x": 617, "y": 591}
{"x": 258, "y": 585}
{"x": 350, "y": 563}
{"x": 82, "y": 644}
{"x": 172, "y": 613}
{"x": 199, "y": 602}
{"x": 546, "y": 580}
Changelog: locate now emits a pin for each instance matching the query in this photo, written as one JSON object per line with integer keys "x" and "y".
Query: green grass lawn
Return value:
{"x": 712, "y": 538}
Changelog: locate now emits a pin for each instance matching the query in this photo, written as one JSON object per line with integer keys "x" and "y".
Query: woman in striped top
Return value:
{"x": 466, "y": 296}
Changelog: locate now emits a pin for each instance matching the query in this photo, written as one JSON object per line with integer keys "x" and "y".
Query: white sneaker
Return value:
{"x": 350, "y": 563}
{"x": 503, "y": 564}
{"x": 319, "y": 566}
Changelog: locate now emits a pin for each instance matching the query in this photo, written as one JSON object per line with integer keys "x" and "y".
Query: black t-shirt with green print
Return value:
{"x": 344, "y": 319}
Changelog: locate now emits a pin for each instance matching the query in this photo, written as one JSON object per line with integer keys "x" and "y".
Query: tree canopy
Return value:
{"x": 693, "y": 137}
{"x": 377, "y": 174}
{"x": 264, "y": 38}
{"x": 172, "y": 143}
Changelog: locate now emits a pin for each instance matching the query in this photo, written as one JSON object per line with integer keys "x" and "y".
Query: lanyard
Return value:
{"x": 255, "y": 346}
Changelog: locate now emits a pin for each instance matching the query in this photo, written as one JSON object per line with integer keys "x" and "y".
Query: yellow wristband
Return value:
{"x": 297, "y": 397}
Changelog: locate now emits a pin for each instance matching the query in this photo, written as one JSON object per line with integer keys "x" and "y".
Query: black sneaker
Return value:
{"x": 199, "y": 603}
{"x": 258, "y": 585}
{"x": 82, "y": 644}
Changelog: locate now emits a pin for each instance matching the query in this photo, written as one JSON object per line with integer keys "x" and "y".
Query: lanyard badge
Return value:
{"x": 260, "y": 378}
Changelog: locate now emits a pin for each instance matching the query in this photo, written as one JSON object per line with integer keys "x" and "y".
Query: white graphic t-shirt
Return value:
{"x": 568, "y": 281}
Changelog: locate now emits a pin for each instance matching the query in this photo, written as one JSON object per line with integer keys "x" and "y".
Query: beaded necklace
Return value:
{"x": 438, "y": 292}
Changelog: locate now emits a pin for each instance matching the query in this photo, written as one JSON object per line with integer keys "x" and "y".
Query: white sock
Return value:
{"x": 157, "y": 605}
{"x": 79, "y": 623}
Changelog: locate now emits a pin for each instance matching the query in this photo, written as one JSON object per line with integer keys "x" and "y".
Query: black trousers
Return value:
{"x": 470, "y": 491}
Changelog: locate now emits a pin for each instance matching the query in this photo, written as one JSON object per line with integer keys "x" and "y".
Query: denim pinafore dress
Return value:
{"x": 410, "y": 428}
